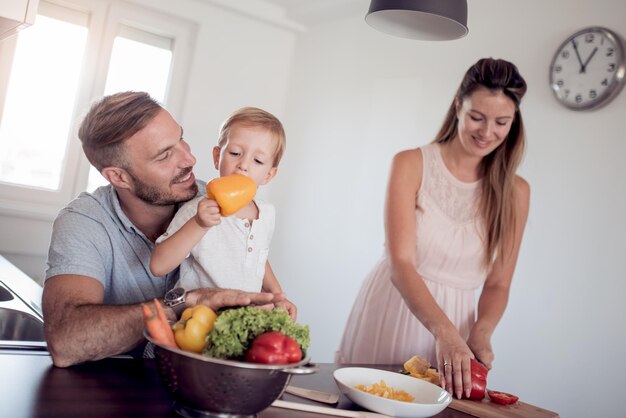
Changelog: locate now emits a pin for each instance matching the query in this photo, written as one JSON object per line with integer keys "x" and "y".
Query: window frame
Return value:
{"x": 104, "y": 19}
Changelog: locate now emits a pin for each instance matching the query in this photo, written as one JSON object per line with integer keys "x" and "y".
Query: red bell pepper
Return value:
{"x": 479, "y": 380}
{"x": 274, "y": 347}
{"x": 502, "y": 398}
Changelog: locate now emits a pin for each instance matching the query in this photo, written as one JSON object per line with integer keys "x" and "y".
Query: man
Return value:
{"x": 99, "y": 259}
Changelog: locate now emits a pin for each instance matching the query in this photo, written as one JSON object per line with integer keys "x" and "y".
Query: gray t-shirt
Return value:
{"x": 92, "y": 237}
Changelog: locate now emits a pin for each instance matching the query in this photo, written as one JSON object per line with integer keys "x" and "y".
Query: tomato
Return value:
{"x": 194, "y": 325}
{"x": 502, "y": 398}
{"x": 274, "y": 347}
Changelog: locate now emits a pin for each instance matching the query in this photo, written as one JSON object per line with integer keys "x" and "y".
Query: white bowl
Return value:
{"x": 429, "y": 399}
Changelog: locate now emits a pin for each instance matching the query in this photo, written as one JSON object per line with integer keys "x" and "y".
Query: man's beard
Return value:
{"x": 160, "y": 196}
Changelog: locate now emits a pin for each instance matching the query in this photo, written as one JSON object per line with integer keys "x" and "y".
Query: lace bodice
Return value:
{"x": 457, "y": 200}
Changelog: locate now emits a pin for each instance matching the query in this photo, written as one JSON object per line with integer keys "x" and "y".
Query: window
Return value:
{"x": 76, "y": 52}
{"x": 38, "y": 106}
{"x": 139, "y": 61}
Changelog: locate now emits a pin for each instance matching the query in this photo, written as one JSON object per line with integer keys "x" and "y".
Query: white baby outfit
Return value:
{"x": 231, "y": 255}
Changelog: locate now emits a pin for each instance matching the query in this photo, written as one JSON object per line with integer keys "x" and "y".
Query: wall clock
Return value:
{"x": 587, "y": 70}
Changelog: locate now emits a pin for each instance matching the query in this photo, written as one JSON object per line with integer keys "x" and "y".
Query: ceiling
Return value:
{"x": 311, "y": 12}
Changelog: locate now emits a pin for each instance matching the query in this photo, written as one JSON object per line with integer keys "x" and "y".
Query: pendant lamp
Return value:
{"x": 426, "y": 20}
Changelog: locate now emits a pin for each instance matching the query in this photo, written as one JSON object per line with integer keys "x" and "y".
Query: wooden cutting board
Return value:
{"x": 487, "y": 409}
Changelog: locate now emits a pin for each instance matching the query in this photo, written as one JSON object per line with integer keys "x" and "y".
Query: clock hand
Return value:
{"x": 589, "y": 59}
{"x": 580, "y": 61}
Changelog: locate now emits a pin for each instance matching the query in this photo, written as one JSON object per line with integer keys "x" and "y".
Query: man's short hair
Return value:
{"x": 110, "y": 122}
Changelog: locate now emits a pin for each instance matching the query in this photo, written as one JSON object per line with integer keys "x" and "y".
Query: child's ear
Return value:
{"x": 216, "y": 157}
{"x": 270, "y": 175}
{"x": 118, "y": 177}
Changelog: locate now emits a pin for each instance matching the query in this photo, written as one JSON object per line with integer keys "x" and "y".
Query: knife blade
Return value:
{"x": 314, "y": 395}
{"x": 326, "y": 410}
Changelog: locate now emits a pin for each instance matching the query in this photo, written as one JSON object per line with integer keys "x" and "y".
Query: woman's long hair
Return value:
{"x": 497, "y": 205}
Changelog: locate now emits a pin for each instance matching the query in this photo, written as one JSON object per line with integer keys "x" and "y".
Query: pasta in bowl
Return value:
{"x": 391, "y": 393}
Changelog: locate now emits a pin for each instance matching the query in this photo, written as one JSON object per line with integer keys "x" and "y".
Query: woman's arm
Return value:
{"x": 495, "y": 294}
{"x": 168, "y": 254}
{"x": 400, "y": 227}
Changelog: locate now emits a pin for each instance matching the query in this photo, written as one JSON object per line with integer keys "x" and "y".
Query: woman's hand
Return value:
{"x": 453, "y": 358}
{"x": 480, "y": 344}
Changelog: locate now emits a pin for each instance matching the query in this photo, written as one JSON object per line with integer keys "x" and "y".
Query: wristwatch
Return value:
{"x": 175, "y": 297}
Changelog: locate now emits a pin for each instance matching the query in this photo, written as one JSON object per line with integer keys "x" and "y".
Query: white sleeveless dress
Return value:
{"x": 450, "y": 251}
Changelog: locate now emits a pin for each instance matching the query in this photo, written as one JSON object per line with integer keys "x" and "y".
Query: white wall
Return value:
{"x": 358, "y": 96}
{"x": 350, "y": 98}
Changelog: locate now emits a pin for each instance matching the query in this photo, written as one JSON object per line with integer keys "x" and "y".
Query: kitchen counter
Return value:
{"x": 30, "y": 386}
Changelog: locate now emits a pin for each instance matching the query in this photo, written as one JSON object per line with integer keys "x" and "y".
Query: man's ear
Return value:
{"x": 270, "y": 175}
{"x": 118, "y": 177}
{"x": 216, "y": 157}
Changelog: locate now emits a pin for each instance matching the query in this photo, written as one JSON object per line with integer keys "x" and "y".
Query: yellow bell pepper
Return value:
{"x": 194, "y": 325}
{"x": 231, "y": 192}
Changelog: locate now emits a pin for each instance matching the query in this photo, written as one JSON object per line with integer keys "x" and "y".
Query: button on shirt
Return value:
{"x": 230, "y": 255}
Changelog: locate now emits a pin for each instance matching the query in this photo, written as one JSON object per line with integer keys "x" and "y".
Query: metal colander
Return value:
{"x": 210, "y": 387}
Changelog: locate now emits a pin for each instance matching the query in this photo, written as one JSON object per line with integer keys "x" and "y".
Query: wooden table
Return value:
{"x": 30, "y": 386}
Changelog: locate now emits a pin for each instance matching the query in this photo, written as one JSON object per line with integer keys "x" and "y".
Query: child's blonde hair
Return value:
{"x": 253, "y": 116}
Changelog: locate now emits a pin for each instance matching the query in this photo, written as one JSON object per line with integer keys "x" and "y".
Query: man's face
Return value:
{"x": 160, "y": 164}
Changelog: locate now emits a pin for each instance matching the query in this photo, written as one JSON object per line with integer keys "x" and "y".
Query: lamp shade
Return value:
{"x": 428, "y": 20}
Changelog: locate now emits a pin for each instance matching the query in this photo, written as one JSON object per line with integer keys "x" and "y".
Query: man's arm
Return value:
{"x": 78, "y": 327}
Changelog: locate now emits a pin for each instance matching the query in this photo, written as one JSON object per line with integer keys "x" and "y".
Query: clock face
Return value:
{"x": 587, "y": 70}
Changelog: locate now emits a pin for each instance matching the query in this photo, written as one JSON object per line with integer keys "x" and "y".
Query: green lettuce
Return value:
{"x": 235, "y": 329}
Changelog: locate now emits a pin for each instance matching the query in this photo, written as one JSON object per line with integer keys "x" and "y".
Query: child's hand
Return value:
{"x": 208, "y": 214}
{"x": 289, "y": 307}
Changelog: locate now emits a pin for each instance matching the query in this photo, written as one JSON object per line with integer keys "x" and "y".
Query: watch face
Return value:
{"x": 174, "y": 296}
{"x": 587, "y": 70}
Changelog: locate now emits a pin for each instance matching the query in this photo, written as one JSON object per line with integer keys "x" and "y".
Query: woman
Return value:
{"x": 454, "y": 219}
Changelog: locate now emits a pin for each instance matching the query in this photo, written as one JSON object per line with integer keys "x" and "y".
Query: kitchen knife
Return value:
{"x": 326, "y": 410}
{"x": 314, "y": 395}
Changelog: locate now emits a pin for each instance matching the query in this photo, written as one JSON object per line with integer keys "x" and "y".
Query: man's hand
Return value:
{"x": 222, "y": 298}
